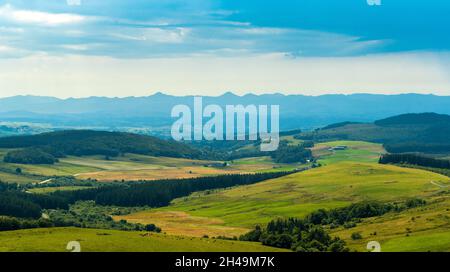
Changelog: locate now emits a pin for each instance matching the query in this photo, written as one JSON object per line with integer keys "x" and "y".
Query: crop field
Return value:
{"x": 297, "y": 195}
{"x": 94, "y": 240}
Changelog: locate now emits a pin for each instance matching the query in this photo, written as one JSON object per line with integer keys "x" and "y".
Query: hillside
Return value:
{"x": 332, "y": 186}
{"x": 86, "y": 142}
{"x": 425, "y": 133}
{"x": 94, "y": 240}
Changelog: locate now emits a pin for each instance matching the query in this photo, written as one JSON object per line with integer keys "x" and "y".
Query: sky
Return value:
{"x": 116, "y": 48}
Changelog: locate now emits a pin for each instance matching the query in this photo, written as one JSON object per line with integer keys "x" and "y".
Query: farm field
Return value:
{"x": 297, "y": 195}
{"x": 94, "y": 240}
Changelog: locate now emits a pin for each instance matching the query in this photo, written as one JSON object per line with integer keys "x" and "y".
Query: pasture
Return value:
{"x": 297, "y": 195}
{"x": 425, "y": 228}
{"x": 95, "y": 240}
{"x": 356, "y": 151}
{"x": 133, "y": 167}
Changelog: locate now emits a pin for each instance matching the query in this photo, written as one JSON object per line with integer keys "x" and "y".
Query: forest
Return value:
{"x": 415, "y": 159}
{"x": 161, "y": 193}
{"x": 309, "y": 234}
{"x": 86, "y": 142}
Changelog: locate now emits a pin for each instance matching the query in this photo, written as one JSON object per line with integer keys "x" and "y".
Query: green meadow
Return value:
{"x": 297, "y": 195}
{"x": 346, "y": 177}
{"x": 95, "y": 240}
{"x": 421, "y": 229}
{"x": 356, "y": 151}
{"x": 48, "y": 190}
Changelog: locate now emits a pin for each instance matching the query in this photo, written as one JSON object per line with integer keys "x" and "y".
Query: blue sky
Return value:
{"x": 208, "y": 46}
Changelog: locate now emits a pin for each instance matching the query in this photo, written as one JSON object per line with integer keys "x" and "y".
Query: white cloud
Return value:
{"x": 4, "y": 48}
{"x": 76, "y": 47}
{"x": 38, "y": 17}
{"x": 154, "y": 34}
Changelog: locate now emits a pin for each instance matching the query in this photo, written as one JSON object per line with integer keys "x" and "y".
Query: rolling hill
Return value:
{"x": 297, "y": 195}
{"x": 424, "y": 132}
{"x": 87, "y": 142}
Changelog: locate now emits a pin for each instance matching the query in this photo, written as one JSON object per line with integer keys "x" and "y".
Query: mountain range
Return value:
{"x": 297, "y": 111}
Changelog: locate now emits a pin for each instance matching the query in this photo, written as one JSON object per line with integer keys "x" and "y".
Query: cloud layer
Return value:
{"x": 309, "y": 46}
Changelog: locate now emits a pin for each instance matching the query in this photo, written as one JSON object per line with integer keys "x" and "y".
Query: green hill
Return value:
{"x": 86, "y": 142}
{"x": 332, "y": 186}
{"x": 425, "y": 133}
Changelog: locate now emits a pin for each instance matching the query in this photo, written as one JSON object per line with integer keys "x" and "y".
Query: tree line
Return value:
{"x": 14, "y": 202}
{"x": 414, "y": 159}
{"x": 161, "y": 193}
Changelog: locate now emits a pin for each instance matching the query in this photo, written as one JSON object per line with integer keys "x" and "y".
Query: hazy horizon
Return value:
{"x": 243, "y": 94}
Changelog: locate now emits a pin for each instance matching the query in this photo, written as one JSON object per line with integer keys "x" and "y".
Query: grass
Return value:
{"x": 133, "y": 167}
{"x": 297, "y": 195}
{"x": 48, "y": 190}
{"x": 421, "y": 229}
{"x": 182, "y": 223}
{"x": 93, "y": 240}
{"x": 357, "y": 151}
{"x": 20, "y": 179}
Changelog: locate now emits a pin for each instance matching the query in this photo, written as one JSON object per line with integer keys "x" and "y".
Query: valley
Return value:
{"x": 342, "y": 173}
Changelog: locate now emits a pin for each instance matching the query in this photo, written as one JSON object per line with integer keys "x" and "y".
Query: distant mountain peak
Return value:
{"x": 229, "y": 94}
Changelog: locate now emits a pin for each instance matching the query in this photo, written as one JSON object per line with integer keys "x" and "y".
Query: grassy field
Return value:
{"x": 297, "y": 195}
{"x": 21, "y": 179}
{"x": 422, "y": 229}
{"x": 357, "y": 151}
{"x": 92, "y": 240}
{"x": 182, "y": 223}
{"x": 48, "y": 190}
{"x": 132, "y": 167}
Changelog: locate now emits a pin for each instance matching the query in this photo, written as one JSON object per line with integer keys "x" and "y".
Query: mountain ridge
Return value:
{"x": 296, "y": 111}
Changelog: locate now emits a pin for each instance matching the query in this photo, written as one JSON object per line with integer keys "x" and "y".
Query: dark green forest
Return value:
{"x": 309, "y": 234}
{"x": 414, "y": 159}
{"x": 87, "y": 142}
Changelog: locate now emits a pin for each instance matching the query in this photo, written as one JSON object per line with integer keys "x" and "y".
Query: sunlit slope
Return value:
{"x": 133, "y": 167}
{"x": 357, "y": 151}
{"x": 421, "y": 229}
{"x": 297, "y": 195}
{"x": 93, "y": 240}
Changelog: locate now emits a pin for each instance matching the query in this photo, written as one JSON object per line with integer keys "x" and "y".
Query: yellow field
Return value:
{"x": 181, "y": 223}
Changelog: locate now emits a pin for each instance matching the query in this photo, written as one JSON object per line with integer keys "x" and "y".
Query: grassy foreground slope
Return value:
{"x": 297, "y": 195}
{"x": 92, "y": 240}
{"x": 421, "y": 229}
